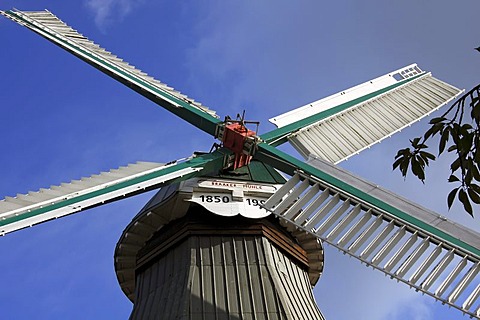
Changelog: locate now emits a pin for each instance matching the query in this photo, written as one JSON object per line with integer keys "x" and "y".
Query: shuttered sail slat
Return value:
{"x": 337, "y": 127}
{"x": 33, "y": 208}
{"x": 405, "y": 241}
{"x": 53, "y": 29}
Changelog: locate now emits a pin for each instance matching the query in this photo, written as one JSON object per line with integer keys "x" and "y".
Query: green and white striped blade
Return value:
{"x": 342, "y": 125}
{"x": 405, "y": 241}
{"x": 26, "y": 210}
{"x": 53, "y": 29}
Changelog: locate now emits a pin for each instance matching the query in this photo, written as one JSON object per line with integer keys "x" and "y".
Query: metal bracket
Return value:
{"x": 236, "y": 137}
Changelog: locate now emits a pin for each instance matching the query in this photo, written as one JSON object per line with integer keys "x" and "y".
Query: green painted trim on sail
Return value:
{"x": 207, "y": 122}
{"x": 289, "y": 164}
{"x": 279, "y": 136}
{"x": 208, "y": 163}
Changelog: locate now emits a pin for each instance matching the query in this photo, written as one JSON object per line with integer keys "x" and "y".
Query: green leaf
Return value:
{"x": 443, "y": 140}
{"x": 476, "y": 111}
{"x": 420, "y": 161}
{"x": 475, "y": 101}
{"x": 474, "y": 196}
{"x": 453, "y": 178}
{"x": 417, "y": 169}
{"x": 468, "y": 177}
{"x": 475, "y": 172}
{"x": 451, "y": 197}
{"x": 455, "y": 165}
{"x": 433, "y": 130}
{"x": 415, "y": 142}
{"x": 471, "y": 170}
{"x": 462, "y": 196}
{"x": 398, "y": 162}
{"x": 452, "y": 148}
{"x": 437, "y": 120}
{"x": 454, "y": 133}
{"x": 465, "y": 143}
{"x": 403, "y": 152}
{"x": 475, "y": 187}
{"x": 426, "y": 155}
{"x": 404, "y": 167}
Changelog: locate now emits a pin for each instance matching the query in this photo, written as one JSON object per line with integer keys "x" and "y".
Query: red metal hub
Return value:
{"x": 236, "y": 137}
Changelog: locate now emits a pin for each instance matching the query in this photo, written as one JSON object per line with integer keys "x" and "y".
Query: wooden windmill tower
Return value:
{"x": 255, "y": 241}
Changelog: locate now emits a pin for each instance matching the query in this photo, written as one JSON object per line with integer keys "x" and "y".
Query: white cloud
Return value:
{"x": 108, "y": 11}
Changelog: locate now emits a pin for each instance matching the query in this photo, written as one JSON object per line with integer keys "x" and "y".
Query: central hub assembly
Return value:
{"x": 236, "y": 137}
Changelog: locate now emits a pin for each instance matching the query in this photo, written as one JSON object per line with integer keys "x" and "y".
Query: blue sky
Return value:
{"x": 62, "y": 119}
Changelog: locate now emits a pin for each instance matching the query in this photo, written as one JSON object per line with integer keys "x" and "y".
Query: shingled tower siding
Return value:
{"x": 204, "y": 266}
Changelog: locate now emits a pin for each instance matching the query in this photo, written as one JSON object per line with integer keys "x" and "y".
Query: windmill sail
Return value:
{"x": 405, "y": 241}
{"x": 26, "y": 210}
{"x": 53, "y": 29}
{"x": 341, "y": 125}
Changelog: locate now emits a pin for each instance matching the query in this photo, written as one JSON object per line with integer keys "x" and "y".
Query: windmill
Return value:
{"x": 270, "y": 156}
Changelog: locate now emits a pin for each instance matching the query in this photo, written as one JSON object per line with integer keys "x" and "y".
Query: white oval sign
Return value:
{"x": 223, "y": 204}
